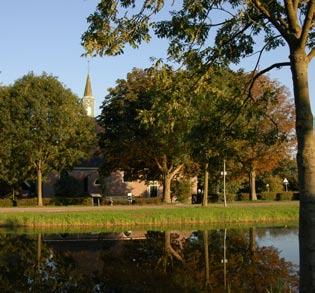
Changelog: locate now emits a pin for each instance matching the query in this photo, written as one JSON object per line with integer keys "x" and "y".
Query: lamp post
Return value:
{"x": 224, "y": 260}
{"x": 267, "y": 185}
{"x": 286, "y": 182}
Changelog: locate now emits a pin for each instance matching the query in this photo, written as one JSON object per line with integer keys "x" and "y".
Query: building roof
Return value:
{"x": 88, "y": 87}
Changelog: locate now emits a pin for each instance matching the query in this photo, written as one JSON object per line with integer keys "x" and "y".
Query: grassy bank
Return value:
{"x": 150, "y": 216}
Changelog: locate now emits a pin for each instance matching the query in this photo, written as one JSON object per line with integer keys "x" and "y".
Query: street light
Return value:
{"x": 286, "y": 182}
{"x": 267, "y": 185}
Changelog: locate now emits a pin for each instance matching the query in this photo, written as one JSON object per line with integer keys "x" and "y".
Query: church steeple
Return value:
{"x": 88, "y": 99}
{"x": 88, "y": 87}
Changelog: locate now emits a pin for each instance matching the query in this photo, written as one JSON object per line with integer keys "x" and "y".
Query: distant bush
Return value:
{"x": 283, "y": 195}
{"x": 229, "y": 197}
{"x": 48, "y": 201}
{"x": 181, "y": 189}
{"x": 272, "y": 195}
{"x": 213, "y": 197}
{"x": 243, "y": 196}
{"x": 216, "y": 197}
{"x": 147, "y": 200}
{"x": 25, "y": 202}
{"x": 65, "y": 201}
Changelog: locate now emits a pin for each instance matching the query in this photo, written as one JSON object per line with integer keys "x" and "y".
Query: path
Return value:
{"x": 53, "y": 209}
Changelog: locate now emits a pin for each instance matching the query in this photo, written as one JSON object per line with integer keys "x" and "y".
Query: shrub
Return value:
{"x": 65, "y": 201}
{"x": 181, "y": 189}
{"x": 229, "y": 197}
{"x": 283, "y": 195}
{"x": 243, "y": 196}
{"x": 25, "y": 202}
{"x": 147, "y": 200}
{"x": 215, "y": 197}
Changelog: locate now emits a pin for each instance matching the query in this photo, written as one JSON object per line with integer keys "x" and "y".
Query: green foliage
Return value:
{"x": 229, "y": 197}
{"x": 284, "y": 195}
{"x": 243, "y": 196}
{"x": 181, "y": 189}
{"x": 189, "y": 25}
{"x": 288, "y": 169}
{"x": 272, "y": 195}
{"x": 44, "y": 128}
{"x": 202, "y": 34}
{"x": 146, "y": 119}
{"x": 275, "y": 183}
{"x": 49, "y": 201}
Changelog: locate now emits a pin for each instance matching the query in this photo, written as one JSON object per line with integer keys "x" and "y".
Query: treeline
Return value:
{"x": 166, "y": 124}
{"x": 158, "y": 124}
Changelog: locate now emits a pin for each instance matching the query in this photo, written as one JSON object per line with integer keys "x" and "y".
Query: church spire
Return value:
{"x": 88, "y": 99}
{"x": 88, "y": 87}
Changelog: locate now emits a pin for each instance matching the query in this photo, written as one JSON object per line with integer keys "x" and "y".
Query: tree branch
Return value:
{"x": 261, "y": 52}
{"x": 278, "y": 23}
{"x": 251, "y": 85}
{"x": 292, "y": 17}
{"x": 296, "y": 4}
{"x": 172, "y": 251}
{"x": 177, "y": 170}
{"x": 158, "y": 164}
{"x": 308, "y": 22}
{"x": 260, "y": 73}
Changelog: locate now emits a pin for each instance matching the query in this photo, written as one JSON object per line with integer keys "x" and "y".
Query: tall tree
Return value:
{"x": 46, "y": 125}
{"x": 14, "y": 168}
{"x": 217, "y": 98}
{"x": 269, "y": 135}
{"x": 238, "y": 26}
{"x": 146, "y": 121}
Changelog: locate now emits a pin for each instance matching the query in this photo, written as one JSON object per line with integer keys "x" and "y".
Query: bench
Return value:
{"x": 96, "y": 198}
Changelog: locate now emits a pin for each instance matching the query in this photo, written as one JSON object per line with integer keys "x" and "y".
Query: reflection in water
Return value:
{"x": 152, "y": 261}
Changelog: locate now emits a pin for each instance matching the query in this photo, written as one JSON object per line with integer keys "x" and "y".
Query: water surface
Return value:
{"x": 239, "y": 260}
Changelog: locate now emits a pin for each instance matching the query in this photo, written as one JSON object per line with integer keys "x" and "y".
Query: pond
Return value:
{"x": 214, "y": 260}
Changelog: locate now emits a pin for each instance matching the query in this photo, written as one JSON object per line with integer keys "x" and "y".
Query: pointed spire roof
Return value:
{"x": 88, "y": 87}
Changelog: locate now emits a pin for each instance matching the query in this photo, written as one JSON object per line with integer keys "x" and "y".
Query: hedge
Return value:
{"x": 85, "y": 201}
{"x": 123, "y": 200}
{"x": 52, "y": 201}
{"x": 282, "y": 195}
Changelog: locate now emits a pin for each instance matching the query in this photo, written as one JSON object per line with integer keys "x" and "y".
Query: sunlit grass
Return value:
{"x": 159, "y": 216}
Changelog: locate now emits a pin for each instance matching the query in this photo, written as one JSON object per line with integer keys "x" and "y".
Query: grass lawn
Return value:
{"x": 148, "y": 216}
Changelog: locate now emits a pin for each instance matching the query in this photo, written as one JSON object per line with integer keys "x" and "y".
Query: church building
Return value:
{"x": 87, "y": 172}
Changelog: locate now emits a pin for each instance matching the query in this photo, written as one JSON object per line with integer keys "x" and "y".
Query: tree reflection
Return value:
{"x": 162, "y": 262}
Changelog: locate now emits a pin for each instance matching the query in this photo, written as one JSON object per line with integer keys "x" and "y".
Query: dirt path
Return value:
{"x": 53, "y": 209}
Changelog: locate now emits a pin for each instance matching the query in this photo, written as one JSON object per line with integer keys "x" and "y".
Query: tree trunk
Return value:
{"x": 306, "y": 168}
{"x": 206, "y": 187}
{"x": 39, "y": 249}
{"x": 207, "y": 266}
{"x": 39, "y": 184}
{"x": 252, "y": 185}
{"x": 167, "y": 188}
{"x": 252, "y": 240}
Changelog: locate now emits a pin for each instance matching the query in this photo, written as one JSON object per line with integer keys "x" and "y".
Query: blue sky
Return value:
{"x": 45, "y": 35}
